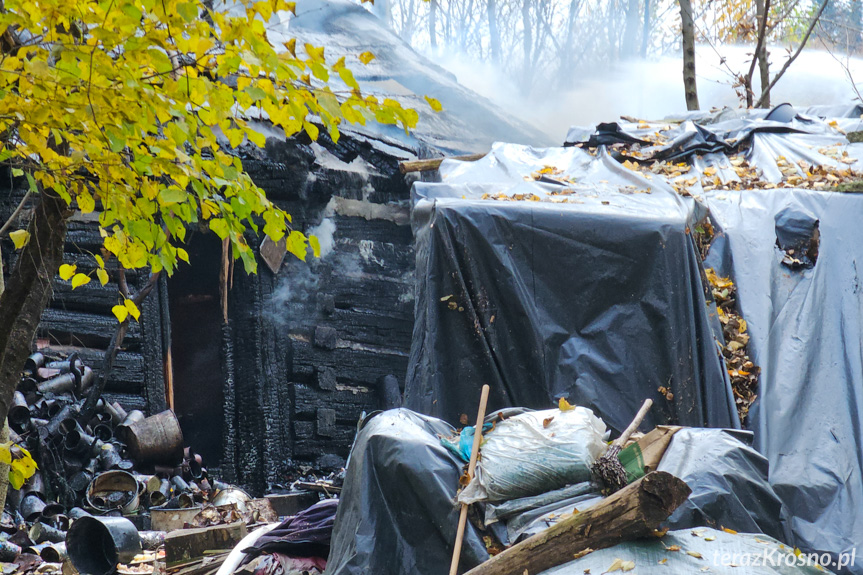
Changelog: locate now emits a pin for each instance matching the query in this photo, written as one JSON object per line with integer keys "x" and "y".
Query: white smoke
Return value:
{"x": 325, "y": 232}
{"x": 653, "y": 89}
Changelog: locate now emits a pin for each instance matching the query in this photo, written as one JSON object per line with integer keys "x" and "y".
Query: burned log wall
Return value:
{"x": 309, "y": 344}
{"x": 80, "y": 321}
{"x": 304, "y": 348}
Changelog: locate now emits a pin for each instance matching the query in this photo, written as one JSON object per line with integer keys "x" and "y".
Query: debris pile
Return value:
{"x": 104, "y": 465}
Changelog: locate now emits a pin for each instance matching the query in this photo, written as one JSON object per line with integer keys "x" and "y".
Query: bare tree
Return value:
{"x": 690, "y": 88}
{"x": 764, "y": 100}
{"x": 493, "y": 32}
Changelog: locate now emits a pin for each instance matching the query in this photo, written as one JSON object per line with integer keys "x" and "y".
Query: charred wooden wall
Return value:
{"x": 304, "y": 348}
{"x": 309, "y": 344}
{"x": 81, "y": 321}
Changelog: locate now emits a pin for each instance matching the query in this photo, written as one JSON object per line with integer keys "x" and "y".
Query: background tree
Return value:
{"x": 134, "y": 109}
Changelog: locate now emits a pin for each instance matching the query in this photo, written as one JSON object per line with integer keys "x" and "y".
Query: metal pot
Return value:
{"x": 156, "y": 439}
{"x": 97, "y": 544}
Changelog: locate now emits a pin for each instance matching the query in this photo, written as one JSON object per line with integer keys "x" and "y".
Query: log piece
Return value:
{"x": 434, "y": 163}
{"x": 631, "y": 513}
{"x": 186, "y": 544}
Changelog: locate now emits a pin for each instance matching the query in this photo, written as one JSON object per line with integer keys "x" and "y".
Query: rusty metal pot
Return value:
{"x": 156, "y": 439}
{"x": 114, "y": 490}
{"x": 97, "y": 544}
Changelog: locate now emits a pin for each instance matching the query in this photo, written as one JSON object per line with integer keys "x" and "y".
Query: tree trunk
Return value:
{"x": 688, "y": 28}
{"x": 493, "y": 32}
{"x": 29, "y": 290}
{"x": 528, "y": 43}
{"x": 645, "y": 31}
{"x": 433, "y": 23}
{"x": 4, "y": 435}
{"x": 631, "y": 513}
{"x": 630, "y": 34}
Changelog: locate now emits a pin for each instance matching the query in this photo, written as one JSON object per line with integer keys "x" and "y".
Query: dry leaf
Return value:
{"x": 582, "y": 553}
{"x": 564, "y": 405}
{"x": 547, "y": 421}
{"x": 695, "y": 554}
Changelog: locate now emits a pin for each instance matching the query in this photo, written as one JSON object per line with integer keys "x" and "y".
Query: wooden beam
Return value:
{"x": 434, "y": 163}
{"x": 633, "y": 512}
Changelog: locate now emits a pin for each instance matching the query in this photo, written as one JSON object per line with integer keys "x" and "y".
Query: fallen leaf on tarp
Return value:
{"x": 621, "y": 565}
{"x": 564, "y": 405}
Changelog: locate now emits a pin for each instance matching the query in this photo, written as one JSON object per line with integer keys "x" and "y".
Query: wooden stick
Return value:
{"x": 471, "y": 466}
{"x": 631, "y": 513}
{"x": 639, "y": 417}
{"x": 434, "y": 163}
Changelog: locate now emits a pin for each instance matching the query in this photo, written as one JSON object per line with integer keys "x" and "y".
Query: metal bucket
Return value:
{"x": 19, "y": 412}
{"x": 33, "y": 363}
{"x": 97, "y": 544}
{"x": 31, "y": 506}
{"x": 156, "y": 439}
{"x": 114, "y": 490}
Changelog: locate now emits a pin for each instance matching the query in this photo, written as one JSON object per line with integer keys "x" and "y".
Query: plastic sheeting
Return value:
{"x": 598, "y": 299}
{"x": 397, "y": 512}
{"x": 805, "y": 327}
{"x": 729, "y": 483}
{"x": 700, "y": 550}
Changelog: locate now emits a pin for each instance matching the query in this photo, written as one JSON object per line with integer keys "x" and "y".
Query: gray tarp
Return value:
{"x": 805, "y": 326}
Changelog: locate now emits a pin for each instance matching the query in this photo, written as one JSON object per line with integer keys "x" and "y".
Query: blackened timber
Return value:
{"x": 84, "y": 329}
{"x": 151, "y": 350}
{"x": 348, "y": 403}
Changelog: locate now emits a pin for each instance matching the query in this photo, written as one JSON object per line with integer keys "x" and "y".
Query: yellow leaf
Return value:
{"x": 120, "y": 312}
{"x": 16, "y": 478}
{"x": 80, "y": 279}
{"x": 366, "y": 57}
{"x": 133, "y": 309}
{"x": 67, "y": 271}
{"x": 731, "y": 531}
{"x": 102, "y": 275}
{"x": 621, "y": 565}
{"x": 695, "y": 554}
{"x": 291, "y": 46}
{"x": 5, "y": 455}
{"x": 183, "y": 255}
{"x": 86, "y": 203}
{"x": 434, "y": 103}
{"x": 316, "y": 246}
{"x": 20, "y": 238}
{"x": 564, "y": 405}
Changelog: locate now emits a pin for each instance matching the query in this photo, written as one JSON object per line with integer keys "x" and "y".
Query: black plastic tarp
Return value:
{"x": 598, "y": 298}
{"x": 806, "y": 328}
{"x": 397, "y": 513}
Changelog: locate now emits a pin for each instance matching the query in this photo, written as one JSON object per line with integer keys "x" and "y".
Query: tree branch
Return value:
{"x": 793, "y": 57}
{"x": 762, "y": 33}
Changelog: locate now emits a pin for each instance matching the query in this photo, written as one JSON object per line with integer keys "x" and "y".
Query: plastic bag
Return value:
{"x": 536, "y": 452}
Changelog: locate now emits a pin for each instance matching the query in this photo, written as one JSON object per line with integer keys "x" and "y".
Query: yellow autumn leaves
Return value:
{"x": 20, "y": 462}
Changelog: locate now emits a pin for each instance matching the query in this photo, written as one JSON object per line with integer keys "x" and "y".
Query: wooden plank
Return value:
{"x": 434, "y": 163}
{"x": 187, "y": 544}
{"x": 633, "y": 512}
{"x": 127, "y": 377}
